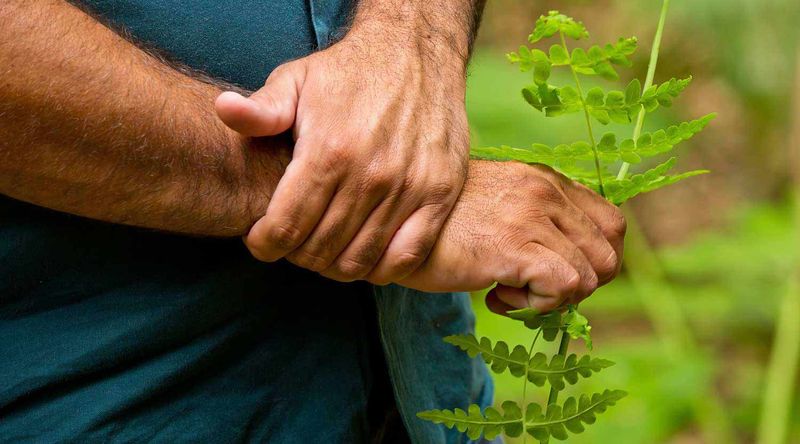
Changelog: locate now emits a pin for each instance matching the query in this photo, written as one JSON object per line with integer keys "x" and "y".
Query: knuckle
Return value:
{"x": 616, "y": 225}
{"x": 380, "y": 182}
{"x": 407, "y": 262}
{"x": 442, "y": 191}
{"x": 609, "y": 268}
{"x": 397, "y": 268}
{"x": 351, "y": 269}
{"x": 544, "y": 191}
{"x": 337, "y": 153}
{"x": 309, "y": 261}
{"x": 359, "y": 265}
{"x": 570, "y": 284}
{"x": 591, "y": 284}
{"x": 284, "y": 237}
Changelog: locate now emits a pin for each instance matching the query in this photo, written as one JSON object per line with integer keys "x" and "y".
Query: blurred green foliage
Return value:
{"x": 726, "y": 245}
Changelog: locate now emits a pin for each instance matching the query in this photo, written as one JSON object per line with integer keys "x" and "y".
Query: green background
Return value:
{"x": 711, "y": 262}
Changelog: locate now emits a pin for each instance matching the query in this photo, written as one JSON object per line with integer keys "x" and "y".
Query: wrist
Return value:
{"x": 432, "y": 39}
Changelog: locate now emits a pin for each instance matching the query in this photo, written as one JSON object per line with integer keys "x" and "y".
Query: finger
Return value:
{"x": 296, "y": 207}
{"x": 589, "y": 239}
{"x": 606, "y": 217}
{"x": 361, "y": 256}
{"x": 340, "y": 223}
{"x": 514, "y": 297}
{"x": 555, "y": 240}
{"x": 269, "y": 111}
{"x": 410, "y": 246}
{"x": 549, "y": 278}
{"x": 497, "y": 306}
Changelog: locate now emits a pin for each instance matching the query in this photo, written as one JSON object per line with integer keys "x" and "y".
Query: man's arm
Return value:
{"x": 434, "y": 26}
{"x": 382, "y": 140}
{"x": 94, "y": 126}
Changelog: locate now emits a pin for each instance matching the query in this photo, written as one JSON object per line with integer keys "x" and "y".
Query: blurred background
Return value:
{"x": 704, "y": 323}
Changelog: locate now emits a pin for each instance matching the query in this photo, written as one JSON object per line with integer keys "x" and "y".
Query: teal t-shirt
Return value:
{"x": 118, "y": 334}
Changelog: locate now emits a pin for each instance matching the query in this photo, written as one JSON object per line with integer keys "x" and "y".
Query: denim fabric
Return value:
{"x": 115, "y": 334}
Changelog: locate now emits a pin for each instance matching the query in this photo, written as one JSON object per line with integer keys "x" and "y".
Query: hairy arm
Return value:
{"x": 435, "y": 27}
{"x": 94, "y": 126}
{"x": 382, "y": 141}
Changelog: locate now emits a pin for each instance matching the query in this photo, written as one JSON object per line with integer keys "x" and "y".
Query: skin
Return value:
{"x": 94, "y": 126}
{"x": 546, "y": 240}
{"x": 381, "y": 116}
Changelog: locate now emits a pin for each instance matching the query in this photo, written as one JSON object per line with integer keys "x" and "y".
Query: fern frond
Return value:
{"x": 600, "y": 60}
{"x": 614, "y": 106}
{"x": 491, "y": 423}
{"x": 538, "y": 153}
{"x": 537, "y": 369}
{"x": 561, "y": 369}
{"x": 497, "y": 355}
{"x": 663, "y": 95}
{"x": 560, "y": 421}
{"x": 622, "y": 106}
{"x": 553, "y": 23}
{"x": 564, "y": 158}
{"x": 650, "y": 144}
{"x": 550, "y": 100}
{"x": 597, "y": 61}
{"x": 550, "y": 323}
{"x": 620, "y": 191}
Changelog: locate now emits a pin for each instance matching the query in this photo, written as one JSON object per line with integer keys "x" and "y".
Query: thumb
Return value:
{"x": 268, "y": 112}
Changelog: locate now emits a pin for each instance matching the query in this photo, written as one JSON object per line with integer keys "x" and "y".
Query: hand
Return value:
{"x": 380, "y": 159}
{"x": 546, "y": 240}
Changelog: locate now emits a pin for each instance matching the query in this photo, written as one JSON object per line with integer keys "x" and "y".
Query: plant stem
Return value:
{"x": 776, "y": 406}
{"x": 651, "y": 75}
{"x": 588, "y": 119}
{"x": 562, "y": 351}
{"x": 525, "y": 379}
{"x": 552, "y": 398}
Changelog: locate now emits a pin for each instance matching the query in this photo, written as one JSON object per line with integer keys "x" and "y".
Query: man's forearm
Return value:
{"x": 92, "y": 125}
{"x": 443, "y": 30}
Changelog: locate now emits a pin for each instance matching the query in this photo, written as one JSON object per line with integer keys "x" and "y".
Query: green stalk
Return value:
{"x": 552, "y": 398}
{"x": 588, "y": 119}
{"x": 525, "y": 380}
{"x": 650, "y": 280}
{"x": 563, "y": 346}
{"x": 776, "y": 408}
{"x": 651, "y": 75}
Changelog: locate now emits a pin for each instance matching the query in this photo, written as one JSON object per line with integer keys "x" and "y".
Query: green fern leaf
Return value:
{"x": 664, "y": 94}
{"x": 620, "y": 191}
{"x": 491, "y": 423}
{"x": 550, "y": 323}
{"x": 570, "y": 417}
{"x": 617, "y": 106}
{"x": 561, "y": 370}
{"x": 649, "y": 144}
{"x": 498, "y": 356}
{"x": 548, "y": 99}
{"x": 537, "y": 369}
{"x": 600, "y": 60}
{"x": 553, "y": 23}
